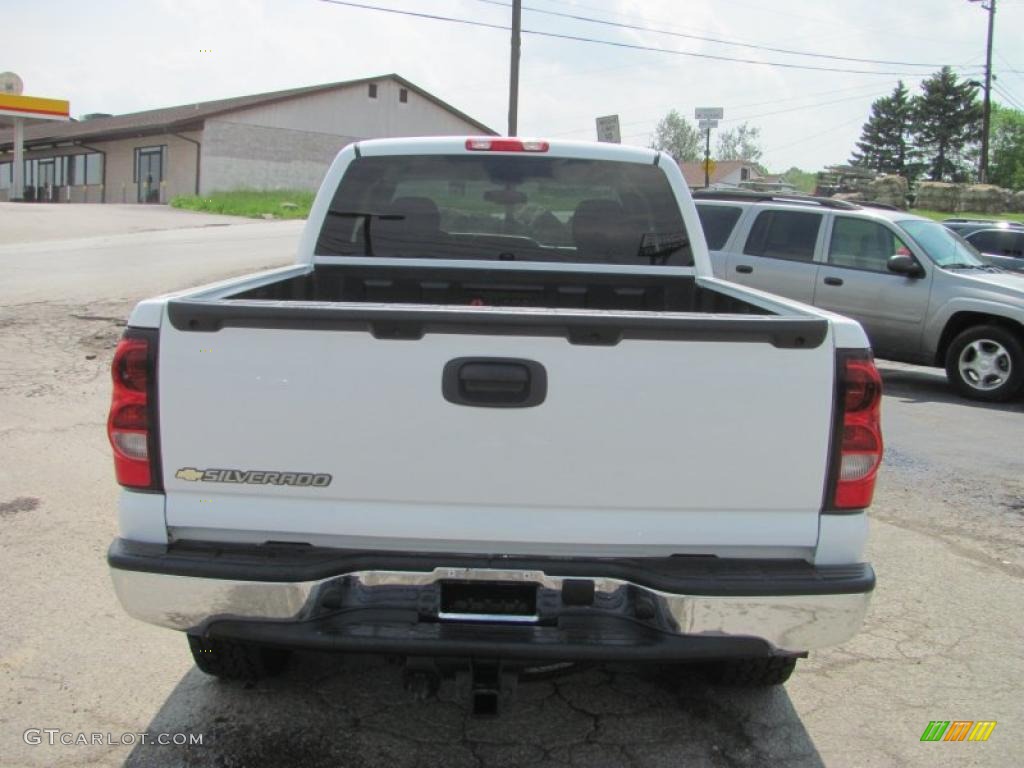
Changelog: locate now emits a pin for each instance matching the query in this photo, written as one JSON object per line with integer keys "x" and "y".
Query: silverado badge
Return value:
{"x": 253, "y": 477}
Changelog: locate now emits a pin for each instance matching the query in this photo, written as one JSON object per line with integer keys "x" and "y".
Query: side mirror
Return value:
{"x": 902, "y": 264}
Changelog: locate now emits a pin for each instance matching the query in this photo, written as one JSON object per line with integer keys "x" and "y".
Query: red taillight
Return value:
{"x": 860, "y": 443}
{"x": 488, "y": 144}
{"x": 130, "y": 424}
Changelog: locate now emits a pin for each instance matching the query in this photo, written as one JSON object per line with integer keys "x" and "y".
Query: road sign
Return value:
{"x": 707, "y": 125}
{"x": 709, "y": 113}
{"x": 608, "y": 129}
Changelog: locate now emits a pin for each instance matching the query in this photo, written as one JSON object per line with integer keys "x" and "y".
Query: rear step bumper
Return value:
{"x": 539, "y": 608}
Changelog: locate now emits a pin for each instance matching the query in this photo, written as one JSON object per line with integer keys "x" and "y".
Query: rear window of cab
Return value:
{"x": 508, "y": 208}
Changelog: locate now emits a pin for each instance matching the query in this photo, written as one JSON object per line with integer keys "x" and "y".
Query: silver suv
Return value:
{"x": 919, "y": 290}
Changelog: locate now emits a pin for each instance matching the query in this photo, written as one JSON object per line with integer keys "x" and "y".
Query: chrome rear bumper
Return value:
{"x": 830, "y": 612}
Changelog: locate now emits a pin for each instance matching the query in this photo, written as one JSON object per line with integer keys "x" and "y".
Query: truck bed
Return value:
{"x": 499, "y": 287}
{"x": 406, "y": 301}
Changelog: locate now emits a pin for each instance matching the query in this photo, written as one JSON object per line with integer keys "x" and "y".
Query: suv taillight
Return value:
{"x": 131, "y": 425}
{"x": 858, "y": 445}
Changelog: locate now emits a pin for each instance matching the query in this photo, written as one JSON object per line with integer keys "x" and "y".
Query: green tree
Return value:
{"x": 1006, "y": 162}
{"x": 804, "y": 181}
{"x": 674, "y": 134}
{"x": 885, "y": 141}
{"x": 740, "y": 143}
{"x": 947, "y": 126}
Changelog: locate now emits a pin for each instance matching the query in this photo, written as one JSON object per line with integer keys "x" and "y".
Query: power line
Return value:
{"x": 804, "y": 139}
{"x": 806, "y": 106}
{"x": 1004, "y": 87}
{"x": 640, "y": 28}
{"x": 1015, "y": 72}
{"x": 861, "y": 87}
{"x": 1011, "y": 102}
{"x": 871, "y": 86}
{"x": 815, "y": 105}
{"x": 616, "y": 44}
{"x": 773, "y": 11}
{"x": 1007, "y": 96}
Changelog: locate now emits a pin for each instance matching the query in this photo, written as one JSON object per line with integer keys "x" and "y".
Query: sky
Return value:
{"x": 121, "y": 56}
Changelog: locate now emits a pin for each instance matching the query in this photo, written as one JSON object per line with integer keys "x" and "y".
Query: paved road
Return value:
{"x": 943, "y": 639}
{"x": 43, "y": 222}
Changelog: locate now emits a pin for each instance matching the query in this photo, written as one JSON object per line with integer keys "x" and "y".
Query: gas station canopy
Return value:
{"x": 31, "y": 109}
{"x": 18, "y": 111}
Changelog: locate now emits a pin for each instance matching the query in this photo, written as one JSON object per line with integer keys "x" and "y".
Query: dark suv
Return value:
{"x": 1001, "y": 243}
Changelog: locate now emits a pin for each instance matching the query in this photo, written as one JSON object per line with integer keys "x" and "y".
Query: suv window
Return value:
{"x": 717, "y": 222}
{"x": 863, "y": 244}
{"x": 999, "y": 243}
{"x": 784, "y": 235}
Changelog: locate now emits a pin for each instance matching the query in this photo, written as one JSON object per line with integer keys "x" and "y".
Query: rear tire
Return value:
{"x": 986, "y": 362}
{"x": 751, "y": 673}
{"x": 231, "y": 660}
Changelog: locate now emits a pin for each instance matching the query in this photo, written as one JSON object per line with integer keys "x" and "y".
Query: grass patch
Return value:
{"x": 255, "y": 204}
{"x": 941, "y": 215}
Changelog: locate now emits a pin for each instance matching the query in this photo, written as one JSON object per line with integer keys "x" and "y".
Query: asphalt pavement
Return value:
{"x": 942, "y": 640}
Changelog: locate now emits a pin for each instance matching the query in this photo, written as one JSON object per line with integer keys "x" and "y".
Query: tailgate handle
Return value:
{"x": 494, "y": 382}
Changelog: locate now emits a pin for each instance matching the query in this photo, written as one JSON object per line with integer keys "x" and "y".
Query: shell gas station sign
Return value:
{"x": 33, "y": 107}
{"x": 17, "y": 111}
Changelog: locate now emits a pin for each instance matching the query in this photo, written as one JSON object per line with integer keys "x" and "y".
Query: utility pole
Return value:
{"x": 707, "y": 159}
{"x": 986, "y": 117}
{"x": 513, "y": 86}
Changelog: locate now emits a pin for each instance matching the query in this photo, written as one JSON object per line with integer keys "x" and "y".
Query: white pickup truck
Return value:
{"x": 498, "y": 414}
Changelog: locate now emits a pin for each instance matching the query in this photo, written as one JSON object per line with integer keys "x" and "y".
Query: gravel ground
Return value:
{"x": 942, "y": 640}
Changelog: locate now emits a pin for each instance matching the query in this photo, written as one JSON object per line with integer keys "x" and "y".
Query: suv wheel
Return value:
{"x": 986, "y": 362}
{"x": 751, "y": 673}
{"x": 231, "y": 660}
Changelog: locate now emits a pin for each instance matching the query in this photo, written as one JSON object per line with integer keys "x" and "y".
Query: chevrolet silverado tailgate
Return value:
{"x": 675, "y": 433}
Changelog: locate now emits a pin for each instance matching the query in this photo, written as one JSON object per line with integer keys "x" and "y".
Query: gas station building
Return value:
{"x": 277, "y": 140}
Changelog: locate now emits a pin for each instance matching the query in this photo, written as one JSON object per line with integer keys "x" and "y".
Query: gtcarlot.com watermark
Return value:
{"x": 56, "y": 737}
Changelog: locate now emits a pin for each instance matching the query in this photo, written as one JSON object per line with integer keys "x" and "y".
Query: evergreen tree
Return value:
{"x": 884, "y": 144}
{"x": 947, "y": 126}
{"x": 675, "y": 135}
